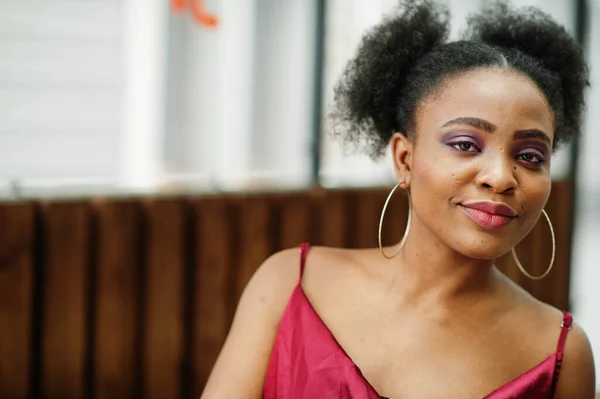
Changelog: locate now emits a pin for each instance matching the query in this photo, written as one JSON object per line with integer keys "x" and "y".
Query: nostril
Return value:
{"x": 486, "y": 185}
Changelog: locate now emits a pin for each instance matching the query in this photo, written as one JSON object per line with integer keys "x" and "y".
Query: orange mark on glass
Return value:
{"x": 201, "y": 15}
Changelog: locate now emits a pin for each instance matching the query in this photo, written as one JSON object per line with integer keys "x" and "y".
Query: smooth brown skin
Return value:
{"x": 438, "y": 320}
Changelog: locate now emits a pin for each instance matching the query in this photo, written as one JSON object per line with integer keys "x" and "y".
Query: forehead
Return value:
{"x": 504, "y": 97}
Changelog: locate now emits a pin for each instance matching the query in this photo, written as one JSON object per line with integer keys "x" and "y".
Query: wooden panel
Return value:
{"x": 368, "y": 210}
{"x": 334, "y": 227}
{"x": 66, "y": 232}
{"x": 168, "y": 275}
{"x": 164, "y": 294}
{"x": 16, "y": 294}
{"x": 295, "y": 220}
{"x": 214, "y": 250}
{"x": 560, "y": 209}
{"x": 116, "y": 303}
{"x": 256, "y": 239}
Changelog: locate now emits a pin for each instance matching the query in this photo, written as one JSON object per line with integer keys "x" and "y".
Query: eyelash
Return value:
{"x": 540, "y": 160}
{"x": 458, "y": 143}
{"x": 455, "y": 146}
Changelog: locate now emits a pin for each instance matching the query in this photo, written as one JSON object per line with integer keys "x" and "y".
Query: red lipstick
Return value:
{"x": 489, "y": 215}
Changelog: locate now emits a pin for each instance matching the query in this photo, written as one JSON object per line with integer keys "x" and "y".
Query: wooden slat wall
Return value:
{"x": 134, "y": 297}
{"x": 164, "y": 293}
{"x": 116, "y": 291}
{"x": 16, "y": 298}
{"x": 65, "y": 301}
{"x": 214, "y": 251}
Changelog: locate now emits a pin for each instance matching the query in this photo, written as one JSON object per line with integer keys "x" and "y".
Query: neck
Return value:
{"x": 427, "y": 270}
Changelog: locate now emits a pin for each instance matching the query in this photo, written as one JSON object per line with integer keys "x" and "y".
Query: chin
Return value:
{"x": 484, "y": 247}
{"x": 483, "y": 254}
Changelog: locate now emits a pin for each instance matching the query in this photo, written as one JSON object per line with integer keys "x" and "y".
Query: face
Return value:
{"x": 478, "y": 169}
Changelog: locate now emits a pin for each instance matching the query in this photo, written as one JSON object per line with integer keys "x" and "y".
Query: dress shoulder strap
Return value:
{"x": 565, "y": 326}
{"x": 304, "y": 247}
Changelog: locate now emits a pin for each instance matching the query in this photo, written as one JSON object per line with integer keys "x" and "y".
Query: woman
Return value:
{"x": 471, "y": 125}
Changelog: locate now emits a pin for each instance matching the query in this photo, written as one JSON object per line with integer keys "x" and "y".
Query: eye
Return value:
{"x": 531, "y": 157}
{"x": 464, "y": 146}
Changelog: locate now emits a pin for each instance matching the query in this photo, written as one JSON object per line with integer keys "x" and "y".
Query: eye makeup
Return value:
{"x": 532, "y": 155}
{"x": 462, "y": 141}
{"x": 531, "y": 152}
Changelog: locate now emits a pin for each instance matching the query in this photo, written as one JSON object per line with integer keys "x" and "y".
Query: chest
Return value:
{"x": 429, "y": 357}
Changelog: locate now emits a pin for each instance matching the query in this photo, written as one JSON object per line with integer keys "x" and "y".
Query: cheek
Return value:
{"x": 535, "y": 191}
{"x": 534, "y": 196}
{"x": 439, "y": 176}
{"x": 432, "y": 186}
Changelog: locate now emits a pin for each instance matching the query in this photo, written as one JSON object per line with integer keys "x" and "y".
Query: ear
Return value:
{"x": 402, "y": 153}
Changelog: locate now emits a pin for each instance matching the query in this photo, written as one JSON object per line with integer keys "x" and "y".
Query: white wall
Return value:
{"x": 585, "y": 277}
{"x": 284, "y": 89}
{"x": 209, "y": 117}
{"x": 60, "y": 89}
{"x": 347, "y": 21}
{"x": 239, "y": 98}
{"x": 144, "y": 97}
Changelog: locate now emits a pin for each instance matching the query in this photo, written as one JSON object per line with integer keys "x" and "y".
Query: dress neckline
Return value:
{"x": 525, "y": 375}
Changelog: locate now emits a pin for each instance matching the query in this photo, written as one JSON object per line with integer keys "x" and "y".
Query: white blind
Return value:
{"x": 60, "y": 89}
{"x": 586, "y": 251}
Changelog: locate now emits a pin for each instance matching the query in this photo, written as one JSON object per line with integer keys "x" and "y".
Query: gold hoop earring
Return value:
{"x": 520, "y": 266}
{"x": 406, "y": 231}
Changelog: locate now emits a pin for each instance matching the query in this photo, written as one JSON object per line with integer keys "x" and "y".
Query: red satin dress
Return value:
{"x": 307, "y": 361}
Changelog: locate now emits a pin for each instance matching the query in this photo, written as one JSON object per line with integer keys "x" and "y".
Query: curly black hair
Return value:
{"x": 407, "y": 56}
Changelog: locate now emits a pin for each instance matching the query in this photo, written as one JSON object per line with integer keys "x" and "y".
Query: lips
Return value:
{"x": 489, "y": 215}
{"x": 493, "y": 208}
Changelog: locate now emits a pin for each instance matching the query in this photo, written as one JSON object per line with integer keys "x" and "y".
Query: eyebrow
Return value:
{"x": 477, "y": 123}
{"x": 532, "y": 134}
{"x": 489, "y": 127}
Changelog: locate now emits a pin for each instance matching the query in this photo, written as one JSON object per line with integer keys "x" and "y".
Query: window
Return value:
{"x": 586, "y": 252}
{"x": 240, "y": 113}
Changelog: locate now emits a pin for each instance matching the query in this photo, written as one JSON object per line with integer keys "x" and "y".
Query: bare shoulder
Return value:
{"x": 334, "y": 278}
{"x": 543, "y": 323}
{"x": 577, "y": 375}
{"x": 245, "y": 354}
{"x": 273, "y": 282}
{"x": 328, "y": 264}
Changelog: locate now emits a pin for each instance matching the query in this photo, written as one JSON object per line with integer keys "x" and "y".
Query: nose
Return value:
{"x": 497, "y": 174}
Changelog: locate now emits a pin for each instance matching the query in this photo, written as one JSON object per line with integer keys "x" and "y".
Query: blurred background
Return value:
{"x": 119, "y": 118}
